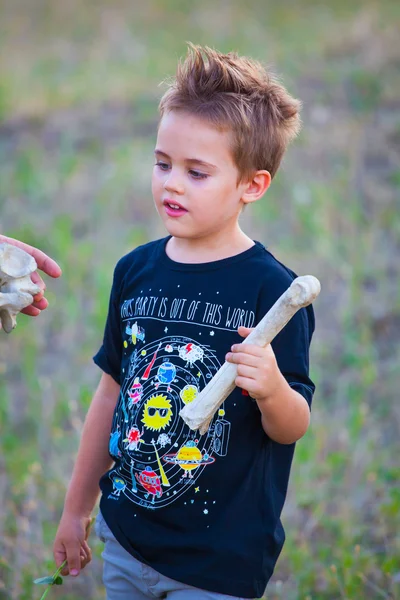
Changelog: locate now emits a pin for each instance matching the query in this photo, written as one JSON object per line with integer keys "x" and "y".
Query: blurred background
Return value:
{"x": 79, "y": 88}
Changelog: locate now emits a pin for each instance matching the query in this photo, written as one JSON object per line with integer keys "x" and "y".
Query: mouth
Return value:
{"x": 174, "y": 209}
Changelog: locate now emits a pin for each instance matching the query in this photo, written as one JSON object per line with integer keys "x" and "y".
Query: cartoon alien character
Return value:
{"x": 135, "y": 393}
{"x": 118, "y": 485}
{"x": 133, "y": 438}
{"x": 157, "y": 413}
{"x": 166, "y": 374}
{"x": 191, "y": 353}
{"x": 151, "y": 483}
{"x": 113, "y": 445}
{"x": 163, "y": 440}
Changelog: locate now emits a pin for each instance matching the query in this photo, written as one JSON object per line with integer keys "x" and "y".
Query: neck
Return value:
{"x": 208, "y": 249}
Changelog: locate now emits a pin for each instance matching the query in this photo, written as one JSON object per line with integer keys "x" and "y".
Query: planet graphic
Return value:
{"x": 189, "y": 393}
{"x": 189, "y": 458}
{"x": 166, "y": 373}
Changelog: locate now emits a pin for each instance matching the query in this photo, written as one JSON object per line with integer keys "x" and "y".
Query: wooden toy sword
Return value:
{"x": 302, "y": 292}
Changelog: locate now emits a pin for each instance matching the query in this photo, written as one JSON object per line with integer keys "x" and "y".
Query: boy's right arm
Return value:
{"x": 92, "y": 462}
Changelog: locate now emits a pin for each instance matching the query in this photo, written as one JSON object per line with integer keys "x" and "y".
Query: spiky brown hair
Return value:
{"x": 237, "y": 94}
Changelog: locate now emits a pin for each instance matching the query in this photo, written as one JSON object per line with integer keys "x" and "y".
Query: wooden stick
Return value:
{"x": 302, "y": 292}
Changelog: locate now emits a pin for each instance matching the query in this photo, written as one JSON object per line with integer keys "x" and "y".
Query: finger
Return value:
{"x": 40, "y": 304}
{"x": 35, "y": 277}
{"x": 245, "y": 331}
{"x": 249, "y": 349}
{"x": 250, "y": 385}
{"x": 86, "y": 548}
{"x": 83, "y": 552}
{"x": 247, "y": 371}
{"x": 44, "y": 262}
{"x": 38, "y": 297}
{"x": 88, "y": 554}
{"x": 47, "y": 264}
{"x": 60, "y": 556}
{"x": 241, "y": 358}
{"x": 74, "y": 559}
{"x": 31, "y": 311}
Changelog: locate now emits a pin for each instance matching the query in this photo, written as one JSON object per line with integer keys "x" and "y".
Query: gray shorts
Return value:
{"x": 126, "y": 578}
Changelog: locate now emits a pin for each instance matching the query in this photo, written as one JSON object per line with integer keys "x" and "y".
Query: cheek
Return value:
{"x": 156, "y": 183}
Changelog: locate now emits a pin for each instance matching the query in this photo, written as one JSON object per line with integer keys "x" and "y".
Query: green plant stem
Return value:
{"x": 56, "y": 574}
{"x": 46, "y": 591}
{"x": 60, "y": 568}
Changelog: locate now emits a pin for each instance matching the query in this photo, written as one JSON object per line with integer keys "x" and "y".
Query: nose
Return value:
{"x": 173, "y": 182}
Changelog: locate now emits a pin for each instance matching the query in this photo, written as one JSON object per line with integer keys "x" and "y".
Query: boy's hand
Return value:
{"x": 71, "y": 544}
{"x": 258, "y": 372}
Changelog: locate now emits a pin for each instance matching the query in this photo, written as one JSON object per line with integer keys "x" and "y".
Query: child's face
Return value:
{"x": 195, "y": 179}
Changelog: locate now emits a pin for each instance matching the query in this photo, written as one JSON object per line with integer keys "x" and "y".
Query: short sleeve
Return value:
{"x": 291, "y": 347}
{"x": 108, "y": 358}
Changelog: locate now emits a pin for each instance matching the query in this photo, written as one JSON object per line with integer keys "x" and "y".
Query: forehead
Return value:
{"x": 182, "y": 136}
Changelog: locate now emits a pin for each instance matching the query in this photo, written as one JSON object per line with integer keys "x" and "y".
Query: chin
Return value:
{"x": 175, "y": 229}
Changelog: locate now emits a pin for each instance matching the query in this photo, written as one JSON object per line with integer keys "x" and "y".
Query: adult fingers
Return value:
{"x": 44, "y": 262}
{"x": 41, "y": 304}
{"x": 39, "y": 301}
{"x": 31, "y": 311}
{"x": 35, "y": 277}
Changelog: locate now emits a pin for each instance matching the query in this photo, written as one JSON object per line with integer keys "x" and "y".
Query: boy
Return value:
{"x": 185, "y": 516}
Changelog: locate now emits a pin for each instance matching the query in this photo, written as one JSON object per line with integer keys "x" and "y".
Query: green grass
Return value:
{"x": 78, "y": 101}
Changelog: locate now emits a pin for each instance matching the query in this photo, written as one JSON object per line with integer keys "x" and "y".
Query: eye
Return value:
{"x": 198, "y": 174}
{"x": 162, "y": 165}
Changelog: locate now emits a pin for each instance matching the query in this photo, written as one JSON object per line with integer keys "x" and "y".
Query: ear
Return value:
{"x": 256, "y": 187}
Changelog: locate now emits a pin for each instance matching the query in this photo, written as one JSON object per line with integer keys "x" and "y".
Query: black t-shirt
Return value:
{"x": 203, "y": 510}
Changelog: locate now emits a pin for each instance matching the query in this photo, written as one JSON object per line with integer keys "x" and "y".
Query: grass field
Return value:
{"x": 78, "y": 101}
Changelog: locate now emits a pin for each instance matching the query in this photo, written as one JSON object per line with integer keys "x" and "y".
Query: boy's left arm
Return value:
{"x": 285, "y": 412}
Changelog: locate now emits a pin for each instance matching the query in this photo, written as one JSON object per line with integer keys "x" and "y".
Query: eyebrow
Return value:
{"x": 188, "y": 160}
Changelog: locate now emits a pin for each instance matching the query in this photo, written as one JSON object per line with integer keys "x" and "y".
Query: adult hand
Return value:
{"x": 45, "y": 264}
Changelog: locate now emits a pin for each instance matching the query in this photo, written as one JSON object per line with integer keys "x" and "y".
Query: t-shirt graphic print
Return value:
{"x": 156, "y": 454}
